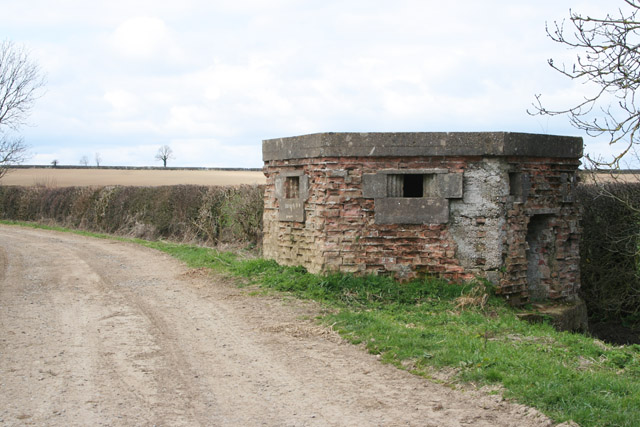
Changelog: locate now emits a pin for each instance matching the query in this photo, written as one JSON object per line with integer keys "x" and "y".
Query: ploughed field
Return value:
{"x": 61, "y": 177}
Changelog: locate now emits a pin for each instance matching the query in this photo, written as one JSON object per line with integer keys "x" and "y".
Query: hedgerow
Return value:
{"x": 210, "y": 215}
{"x": 610, "y": 251}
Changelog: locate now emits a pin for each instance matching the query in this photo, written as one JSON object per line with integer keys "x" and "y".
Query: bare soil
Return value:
{"x": 49, "y": 177}
{"x": 98, "y": 332}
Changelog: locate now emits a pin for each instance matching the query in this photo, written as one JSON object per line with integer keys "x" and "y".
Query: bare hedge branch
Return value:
{"x": 12, "y": 151}
{"x": 609, "y": 61}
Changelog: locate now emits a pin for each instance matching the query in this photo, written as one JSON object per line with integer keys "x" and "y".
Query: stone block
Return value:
{"x": 423, "y": 210}
{"x": 291, "y": 210}
{"x": 411, "y": 144}
{"x": 374, "y": 186}
{"x": 449, "y": 185}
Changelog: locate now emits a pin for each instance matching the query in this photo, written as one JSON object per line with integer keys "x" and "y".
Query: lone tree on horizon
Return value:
{"x": 164, "y": 153}
{"x": 20, "y": 81}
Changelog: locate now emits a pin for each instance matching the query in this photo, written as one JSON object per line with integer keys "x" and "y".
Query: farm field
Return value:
{"x": 61, "y": 177}
{"x": 621, "y": 176}
{"x": 79, "y": 177}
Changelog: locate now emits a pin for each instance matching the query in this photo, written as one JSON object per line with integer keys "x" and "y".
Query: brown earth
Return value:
{"x": 98, "y": 332}
{"x": 49, "y": 177}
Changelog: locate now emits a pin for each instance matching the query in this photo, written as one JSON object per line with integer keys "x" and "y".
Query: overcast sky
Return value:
{"x": 213, "y": 78}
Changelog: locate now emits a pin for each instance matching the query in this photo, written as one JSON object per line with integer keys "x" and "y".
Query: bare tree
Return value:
{"x": 98, "y": 158}
{"x": 54, "y": 163}
{"x": 84, "y": 161}
{"x": 609, "y": 62}
{"x": 20, "y": 82}
{"x": 164, "y": 153}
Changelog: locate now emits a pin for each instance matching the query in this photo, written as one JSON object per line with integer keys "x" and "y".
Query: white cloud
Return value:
{"x": 214, "y": 76}
{"x": 198, "y": 120}
{"x": 144, "y": 38}
{"x": 209, "y": 152}
{"x": 123, "y": 102}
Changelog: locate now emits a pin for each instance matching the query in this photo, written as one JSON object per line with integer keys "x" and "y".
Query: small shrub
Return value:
{"x": 209, "y": 220}
{"x": 244, "y": 209}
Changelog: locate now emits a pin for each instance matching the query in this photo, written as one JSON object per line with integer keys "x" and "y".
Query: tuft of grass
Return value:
{"x": 196, "y": 256}
{"x": 430, "y": 324}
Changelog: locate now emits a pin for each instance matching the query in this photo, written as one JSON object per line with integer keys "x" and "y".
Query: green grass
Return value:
{"x": 420, "y": 326}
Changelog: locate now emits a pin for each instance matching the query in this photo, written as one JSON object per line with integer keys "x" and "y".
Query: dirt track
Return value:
{"x": 97, "y": 332}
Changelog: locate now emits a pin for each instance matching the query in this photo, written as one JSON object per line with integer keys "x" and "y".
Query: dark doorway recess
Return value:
{"x": 541, "y": 263}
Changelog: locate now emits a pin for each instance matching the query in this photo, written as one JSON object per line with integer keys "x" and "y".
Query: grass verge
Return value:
{"x": 427, "y": 325}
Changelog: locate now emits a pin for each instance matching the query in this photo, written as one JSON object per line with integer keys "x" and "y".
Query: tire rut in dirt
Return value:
{"x": 140, "y": 349}
{"x": 3, "y": 264}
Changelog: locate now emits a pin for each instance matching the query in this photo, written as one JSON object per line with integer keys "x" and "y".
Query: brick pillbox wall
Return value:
{"x": 454, "y": 205}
